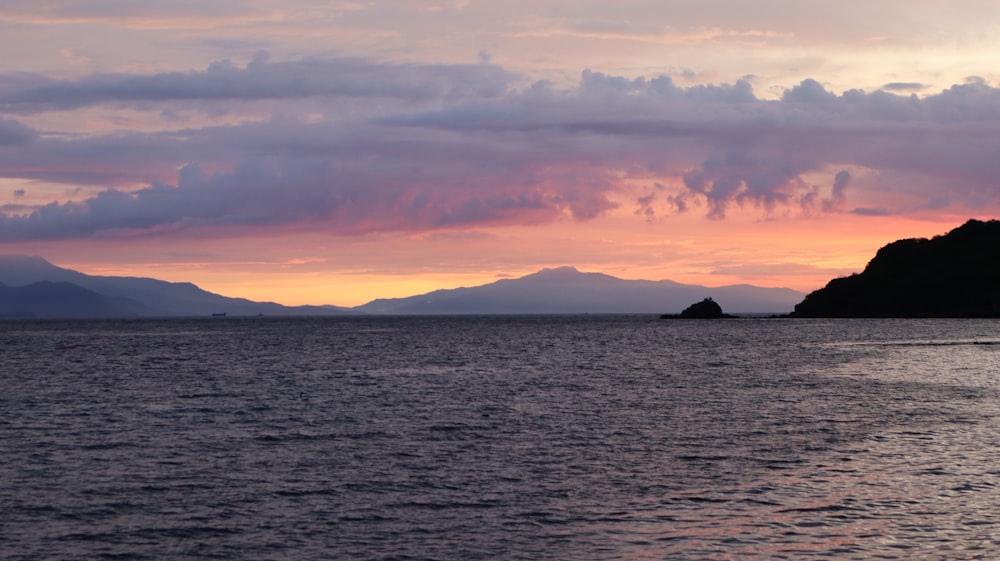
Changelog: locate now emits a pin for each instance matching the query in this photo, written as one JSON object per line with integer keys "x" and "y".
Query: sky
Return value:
{"x": 334, "y": 152}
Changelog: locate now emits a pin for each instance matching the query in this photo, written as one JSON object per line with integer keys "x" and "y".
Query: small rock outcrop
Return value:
{"x": 706, "y": 309}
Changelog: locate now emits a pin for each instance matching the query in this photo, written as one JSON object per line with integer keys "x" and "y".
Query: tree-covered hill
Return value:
{"x": 952, "y": 275}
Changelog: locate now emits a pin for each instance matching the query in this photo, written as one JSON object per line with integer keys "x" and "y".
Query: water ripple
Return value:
{"x": 591, "y": 438}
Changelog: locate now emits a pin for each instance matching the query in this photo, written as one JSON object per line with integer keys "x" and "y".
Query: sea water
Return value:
{"x": 583, "y": 438}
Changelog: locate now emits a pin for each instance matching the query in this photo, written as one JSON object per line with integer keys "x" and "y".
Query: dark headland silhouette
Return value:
{"x": 953, "y": 275}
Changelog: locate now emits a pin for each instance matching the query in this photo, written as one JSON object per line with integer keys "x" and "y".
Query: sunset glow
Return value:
{"x": 338, "y": 152}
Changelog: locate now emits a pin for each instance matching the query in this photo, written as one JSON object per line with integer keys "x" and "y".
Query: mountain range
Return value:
{"x": 30, "y": 286}
{"x": 565, "y": 290}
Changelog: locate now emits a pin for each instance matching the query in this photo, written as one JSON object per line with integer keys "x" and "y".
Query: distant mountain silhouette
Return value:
{"x": 953, "y": 275}
{"x": 47, "y": 299}
{"x": 565, "y": 290}
{"x": 128, "y": 296}
{"x": 32, "y": 287}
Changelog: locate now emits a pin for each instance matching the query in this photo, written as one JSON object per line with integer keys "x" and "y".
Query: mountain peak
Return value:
{"x": 18, "y": 260}
{"x": 20, "y": 270}
{"x": 567, "y": 290}
{"x": 555, "y": 272}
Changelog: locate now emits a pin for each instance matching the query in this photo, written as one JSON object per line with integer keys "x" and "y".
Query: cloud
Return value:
{"x": 14, "y": 133}
{"x": 354, "y": 146}
{"x": 150, "y": 13}
{"x": 904, "y": 86}
{"x": 616, "y": 29}
{"x": 260, "y": 79}
{"x": 872, "y": 212}
{"x": 778, "y": 269}
{"x": 838, "y": 195}
{"x": 345, "y": 199}
{"x": 809, "y": 91}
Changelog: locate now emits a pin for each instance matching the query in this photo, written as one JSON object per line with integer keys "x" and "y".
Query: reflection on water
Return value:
{"x": 500, "y": 438}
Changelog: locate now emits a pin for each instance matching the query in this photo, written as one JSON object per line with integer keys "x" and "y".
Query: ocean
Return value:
{"x": 499, "y": 438}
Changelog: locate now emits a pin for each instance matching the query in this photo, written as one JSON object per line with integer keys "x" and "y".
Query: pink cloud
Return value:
{"x": 413, "y": 147}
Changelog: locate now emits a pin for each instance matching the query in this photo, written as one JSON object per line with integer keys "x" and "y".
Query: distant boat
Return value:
{"x": 219, "y": 314}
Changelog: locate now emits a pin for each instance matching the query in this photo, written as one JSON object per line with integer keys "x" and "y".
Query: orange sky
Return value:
{"x": 335, "y": 153}
{"x": 801, "y": 254}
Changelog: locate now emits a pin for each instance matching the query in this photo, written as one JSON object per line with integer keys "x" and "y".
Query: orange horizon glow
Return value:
{"x": 799, "y": 254}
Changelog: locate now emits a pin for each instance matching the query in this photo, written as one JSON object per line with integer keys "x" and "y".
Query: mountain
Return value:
{"x": 565, "y": 290}
{"x": 953, "y": 275}
{"x": 132, "y": 296}
{"x": 33, "y": 287}
{"x": 55, "y": 299}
